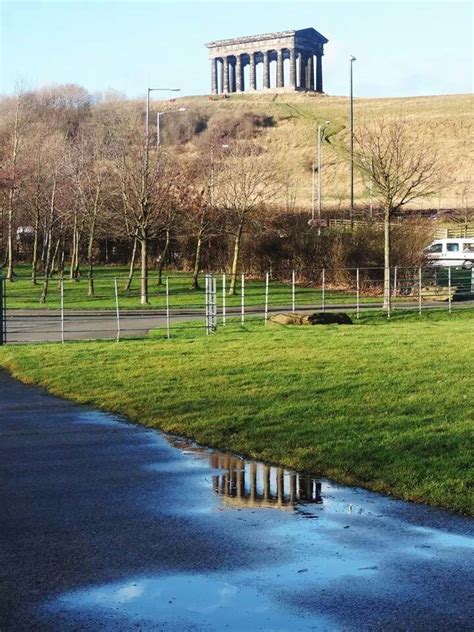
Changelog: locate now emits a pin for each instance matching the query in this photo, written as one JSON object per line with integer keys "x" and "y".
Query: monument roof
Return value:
{"x": 247, "y": 39}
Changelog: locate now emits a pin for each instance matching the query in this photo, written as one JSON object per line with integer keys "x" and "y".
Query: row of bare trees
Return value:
{"x": 74, "y": 172}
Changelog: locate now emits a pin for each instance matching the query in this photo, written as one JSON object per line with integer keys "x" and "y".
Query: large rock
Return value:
{"x": 318, "y": 318}
{"x": 329, "y": 318}
{"x": 289, "y": 319}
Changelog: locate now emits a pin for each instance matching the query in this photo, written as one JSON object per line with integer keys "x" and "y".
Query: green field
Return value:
{"x": 388, "y": 405}
{"x": 22, "y": 294}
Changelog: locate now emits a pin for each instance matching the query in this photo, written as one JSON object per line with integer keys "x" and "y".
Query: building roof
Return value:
{"x": 248, "y": 39}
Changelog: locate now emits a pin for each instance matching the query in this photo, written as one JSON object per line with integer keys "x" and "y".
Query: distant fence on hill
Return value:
{"x": 115, "y": 312}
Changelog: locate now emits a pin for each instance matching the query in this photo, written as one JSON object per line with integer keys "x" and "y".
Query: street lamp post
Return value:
{"x": 319, "y": 157}
{"x": 147, "y": 117}
{"x": 352, "y": 60}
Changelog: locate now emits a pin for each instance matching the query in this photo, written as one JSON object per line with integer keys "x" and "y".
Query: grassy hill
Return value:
{"x": 448, "y": 120}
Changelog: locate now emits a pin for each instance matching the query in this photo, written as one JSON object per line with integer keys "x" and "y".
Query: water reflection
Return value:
{"x": 252, "y": 484}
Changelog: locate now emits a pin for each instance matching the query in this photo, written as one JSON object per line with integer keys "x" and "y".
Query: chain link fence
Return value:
{"x": 114, "y": 310}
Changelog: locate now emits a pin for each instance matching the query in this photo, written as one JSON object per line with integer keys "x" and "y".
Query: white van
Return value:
{"x": 451, "y": 252}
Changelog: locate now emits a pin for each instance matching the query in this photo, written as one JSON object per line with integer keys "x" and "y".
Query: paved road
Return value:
{"x": 45, "y": 325}
{"x": 109, "y": 526}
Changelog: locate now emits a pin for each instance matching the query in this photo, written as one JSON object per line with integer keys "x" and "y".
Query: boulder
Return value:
{"x": 329, "y": 318}
{"x": 318, "y": 318}
{"x": 289, "y": 319}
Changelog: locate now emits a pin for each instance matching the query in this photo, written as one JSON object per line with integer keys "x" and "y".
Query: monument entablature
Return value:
{"x": 290, "y": 60}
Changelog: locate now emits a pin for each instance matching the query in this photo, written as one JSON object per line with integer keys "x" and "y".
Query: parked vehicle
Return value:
{"x": 451, "y": 252}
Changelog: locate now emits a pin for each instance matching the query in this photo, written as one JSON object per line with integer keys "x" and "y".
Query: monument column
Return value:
{"x": 302, "y": 61}
{"x": 292, "y": 68}
{"x": 319, "y": 73}
{"x": 266, "y": 70}
{"x": 310, "y": 66}
{"x": 280, "y": 81}
{"x": 225, "y": 83}
{"x": 232, "y": 77}
{"x": 253, "y": 76}
{"x": 214, "y": 76}
{"x": 221, "y": 72}
{"x": 238, "y": 71}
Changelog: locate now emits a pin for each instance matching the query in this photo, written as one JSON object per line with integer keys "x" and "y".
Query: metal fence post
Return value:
{"x": 358, "y": 293}
{"x": 167, "y": 285}
{"x": 395, "y": 280}
{"x": 242, "y": 298}
{"x": 267, "y": 281}
{"x": 2, "y": 311}
{"x": 223, "y": 299}
{"x": 293, "y": 292}
{"x": 323, "y": 292}
{"x": 449, "y": 289}
{"x": 117, "y": 310}
{"x": 61, "y": 289}
{"x": 419, "y": 290}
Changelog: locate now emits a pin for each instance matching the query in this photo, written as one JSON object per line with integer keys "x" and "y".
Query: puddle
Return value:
{"x": 248, "y": 484}
{"x": 282, "y": 550}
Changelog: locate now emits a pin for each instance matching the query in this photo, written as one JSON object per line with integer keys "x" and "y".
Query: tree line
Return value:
{"x": 75, "y": 173}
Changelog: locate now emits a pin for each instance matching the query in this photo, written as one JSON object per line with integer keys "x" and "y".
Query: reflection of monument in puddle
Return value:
{"x": 252, "y": 484}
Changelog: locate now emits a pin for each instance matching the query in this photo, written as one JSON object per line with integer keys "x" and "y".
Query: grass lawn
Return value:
{"x": 22, "y": 294}
{"x": 388, "y": 405}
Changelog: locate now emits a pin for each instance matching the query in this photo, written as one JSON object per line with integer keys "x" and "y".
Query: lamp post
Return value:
{"x": 319, "y": 158}
{"x": 158, "y": 116}
{"x": 147, "y": 116}
{"x": 352, "y": 60}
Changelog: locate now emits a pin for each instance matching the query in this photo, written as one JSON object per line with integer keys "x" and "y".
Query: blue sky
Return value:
{"x": 403, "y": 48}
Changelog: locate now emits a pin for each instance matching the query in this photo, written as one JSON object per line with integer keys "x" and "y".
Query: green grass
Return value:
{"x": 22, "y": 294}
{"x": 386, "y": 405}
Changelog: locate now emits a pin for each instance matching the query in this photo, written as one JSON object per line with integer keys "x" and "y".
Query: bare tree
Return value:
{"x": 15, "y": 163}
{"x": 148, "y": 182}
{"x": 245, "y": 182}
{"x": 402, "y": 167}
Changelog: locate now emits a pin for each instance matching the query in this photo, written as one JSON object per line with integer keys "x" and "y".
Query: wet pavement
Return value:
{"x": 109, "y": 526}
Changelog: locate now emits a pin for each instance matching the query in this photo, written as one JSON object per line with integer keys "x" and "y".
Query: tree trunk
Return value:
{"x": 164, "y": 254}
{"x": 387, "y": 293}
{"x": 76, "y": 262}
{"x": 90, "y": 263}
{"x": 73, "y": 249}
{"x": 197, "y": 264}
{"x": 144, "y": 271}
{"x": 132, "y": 266}
{"x": 53, "y": 260}
{"x": 235, "y": 259}
{"x": 44, "y": 291}
{"x": 10, "y": 236}
{"x": 34, "y": 262}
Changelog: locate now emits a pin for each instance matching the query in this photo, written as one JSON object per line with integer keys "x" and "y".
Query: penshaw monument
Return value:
{"x": 289, "y": 60}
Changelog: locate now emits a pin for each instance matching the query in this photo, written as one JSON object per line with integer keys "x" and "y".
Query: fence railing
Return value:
{"x": 116, "y": 311}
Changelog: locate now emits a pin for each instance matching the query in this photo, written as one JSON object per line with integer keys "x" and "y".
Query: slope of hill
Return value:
{"x": 292, "y": 139}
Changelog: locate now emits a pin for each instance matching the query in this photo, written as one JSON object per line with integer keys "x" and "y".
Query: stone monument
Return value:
{"x": 297, "y": 56}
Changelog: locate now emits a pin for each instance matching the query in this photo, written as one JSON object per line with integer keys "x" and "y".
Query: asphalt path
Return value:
{"x": 23, "y": 326}
{"x": 105, "y": 525}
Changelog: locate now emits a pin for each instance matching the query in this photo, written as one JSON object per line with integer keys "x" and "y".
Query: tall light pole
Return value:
{"x": 147, "y": 117}
{"x": 319, "y": 159}
{"x": 352, "y": 60}
{"x": 158, "y": 127}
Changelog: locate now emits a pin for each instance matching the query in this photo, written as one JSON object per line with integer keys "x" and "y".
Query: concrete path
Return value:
{"x": 109, "y": 526}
